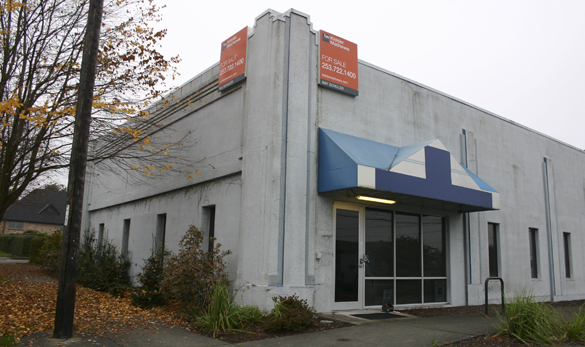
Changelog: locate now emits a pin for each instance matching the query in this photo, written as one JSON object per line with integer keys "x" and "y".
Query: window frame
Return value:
{"x": 126, "y": 239}
{"x": 19, "y": 225}
{"x": 568, "y": 255}
{"x": 494, "y": 267}
{"x": 100, "y": 235}
{"x": 534, "y": 253}
{"x": 161, "y": 229}
{"x": 208, "y": 214}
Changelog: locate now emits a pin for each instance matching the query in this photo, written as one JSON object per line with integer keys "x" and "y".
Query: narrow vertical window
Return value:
{"x": 493, "y": 249}
{"x": 209, "y": 221}
{"x": 346, "y": 255}
{"x": 533, "y": 234}
{"x": 567, "y": 245}
{"x": 161, "y": 226}
{"x": 125, "y": 238}
{"x": 100, "y": 236}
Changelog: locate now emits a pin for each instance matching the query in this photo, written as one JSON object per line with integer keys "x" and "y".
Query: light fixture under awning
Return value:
{"x": 425, "y": 173}
{"x": 379, "y": 200}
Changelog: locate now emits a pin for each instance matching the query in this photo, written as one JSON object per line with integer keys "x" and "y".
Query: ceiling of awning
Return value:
{"x": 424, "y": 174}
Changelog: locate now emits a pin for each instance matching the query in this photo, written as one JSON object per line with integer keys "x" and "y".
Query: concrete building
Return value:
{"x": 287, "y": 158}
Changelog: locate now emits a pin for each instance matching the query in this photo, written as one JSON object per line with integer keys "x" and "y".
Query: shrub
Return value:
{"x": 101, "y": 266}
{"x": 50, "y": 252}
{"x": 223, "y": 314}
{"x": 35, "y": 248}
{"x": 20, "y": 244}
{"x": 149, "y": 293}
{"x": 289, "y": 313}
{"x": 189, "y": 276}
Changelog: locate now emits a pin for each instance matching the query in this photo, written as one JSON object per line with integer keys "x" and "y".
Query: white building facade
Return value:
{"x": 286, "y": 162}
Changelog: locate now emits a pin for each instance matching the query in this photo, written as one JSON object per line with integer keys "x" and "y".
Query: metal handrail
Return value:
{"x": 487, "y": 280}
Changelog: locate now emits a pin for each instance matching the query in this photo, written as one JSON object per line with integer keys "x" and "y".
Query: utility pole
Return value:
{"x": 70, "y": 248}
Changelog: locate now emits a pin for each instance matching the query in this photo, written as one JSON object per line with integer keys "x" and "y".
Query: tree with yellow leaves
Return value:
{"x": 40, "y": 58}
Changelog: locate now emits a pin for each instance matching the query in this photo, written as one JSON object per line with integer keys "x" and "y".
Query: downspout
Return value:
{"x": 466, "y": 228}
{"x": 559, "y": 235}
{"x": 278, "y": 280}
{"x": 478, "y": 218}
{"x": 309, "y": 279}
{"x": 549, "y": 230}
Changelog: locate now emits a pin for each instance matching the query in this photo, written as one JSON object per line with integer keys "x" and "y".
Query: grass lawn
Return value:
{"x": 7, "y": 341}
{"x": 4, "y": 254}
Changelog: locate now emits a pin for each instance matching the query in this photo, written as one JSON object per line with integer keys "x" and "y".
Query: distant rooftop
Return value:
{"x": 40, "y": 206}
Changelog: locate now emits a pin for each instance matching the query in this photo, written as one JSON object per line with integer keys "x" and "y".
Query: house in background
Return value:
{"x": 42, "y": 210}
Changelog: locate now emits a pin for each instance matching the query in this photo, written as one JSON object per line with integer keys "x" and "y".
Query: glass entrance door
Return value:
{"x": 348, "y": 270}
{"x": 388, "y": 257}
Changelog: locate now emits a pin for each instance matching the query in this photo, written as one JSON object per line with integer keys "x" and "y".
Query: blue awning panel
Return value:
{"x": 426, "y": 170}
{"x": 361, "y": 151}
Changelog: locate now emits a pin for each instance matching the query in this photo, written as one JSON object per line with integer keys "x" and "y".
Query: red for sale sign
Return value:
{"x": 232, "y": 64}
{"x": 338, "y": 64}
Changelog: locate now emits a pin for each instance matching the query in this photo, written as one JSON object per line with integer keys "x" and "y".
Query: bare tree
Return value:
{"x": 42, "y": 45}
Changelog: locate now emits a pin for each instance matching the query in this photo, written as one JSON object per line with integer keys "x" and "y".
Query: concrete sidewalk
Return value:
{"x": 15, "y": 260}
{"x": 411, "y": 332}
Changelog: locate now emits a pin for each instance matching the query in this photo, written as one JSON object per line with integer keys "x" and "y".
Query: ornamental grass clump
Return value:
{"x": 574, "y": 327}
{"x": 536, "y": 322}
{"x": 223, "y": 314}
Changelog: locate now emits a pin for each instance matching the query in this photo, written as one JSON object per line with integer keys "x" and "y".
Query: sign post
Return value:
{"x": 338, "y": 64}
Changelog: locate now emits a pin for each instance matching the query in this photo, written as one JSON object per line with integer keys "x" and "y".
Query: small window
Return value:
{"x": 100, "y": 237}
{"x": 567, "y": 245}
{"x": 493, "y": 249}
{"x": 16, "y": 225}
{"x": 209, "y": 221}
{"x": 161, "y": 225}
{"x": 125, "y": 238}
{"x": 534, "y": 251}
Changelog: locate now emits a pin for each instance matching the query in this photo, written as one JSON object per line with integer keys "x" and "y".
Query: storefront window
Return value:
{"x": 389, "y": 257}
{"x": 434, "y": 246}
{"x": 379, "y": 243}
{"x": 418, "y": 252}
{"x": 408, "y": 257}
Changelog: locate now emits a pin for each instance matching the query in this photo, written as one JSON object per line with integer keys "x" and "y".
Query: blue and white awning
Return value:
{"x": 425, "y": 171}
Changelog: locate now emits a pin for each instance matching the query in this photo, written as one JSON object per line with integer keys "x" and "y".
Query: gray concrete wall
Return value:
{"x": 213, "y": 124}
{"x": 508, "y": 156}
{"x": 183, "y": 208}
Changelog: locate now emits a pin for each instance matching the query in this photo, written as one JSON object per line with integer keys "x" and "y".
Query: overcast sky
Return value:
{"x": 522, "y": 60}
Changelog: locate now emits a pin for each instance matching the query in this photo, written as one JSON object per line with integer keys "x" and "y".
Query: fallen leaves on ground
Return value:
{"x": 27, "y": 305}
